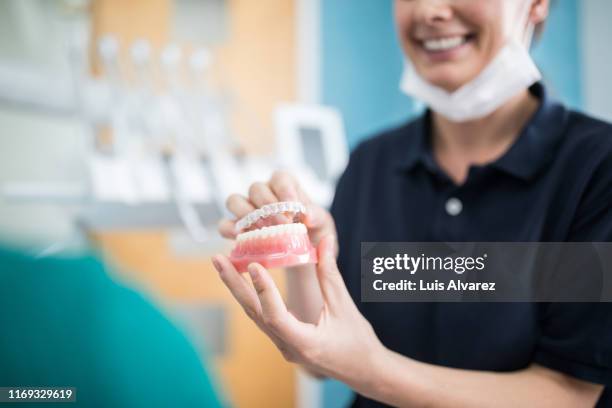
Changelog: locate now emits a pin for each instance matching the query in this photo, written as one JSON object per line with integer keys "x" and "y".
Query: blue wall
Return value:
{"x": 362, "y": 64}
{"x": 558, "y": 53}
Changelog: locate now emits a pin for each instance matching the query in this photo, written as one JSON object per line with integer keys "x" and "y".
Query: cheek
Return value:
{"x": 488, "y": 21}
{"x": 401, "y": 12}
{"x": 402, "y": 15}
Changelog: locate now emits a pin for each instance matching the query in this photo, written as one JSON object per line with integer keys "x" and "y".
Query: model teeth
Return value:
{"x": 272, "y": 231}
{"x": 443, "y": 44}
{"x": 269, "y": 210}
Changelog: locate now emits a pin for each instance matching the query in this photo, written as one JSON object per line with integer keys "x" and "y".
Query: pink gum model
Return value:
{"x": 273, "y": 246}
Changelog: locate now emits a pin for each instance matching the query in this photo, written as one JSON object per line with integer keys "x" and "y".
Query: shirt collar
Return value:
{"x": 533, "y": 149}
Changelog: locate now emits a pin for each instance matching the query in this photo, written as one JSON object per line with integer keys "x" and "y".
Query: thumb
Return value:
{"x": 315, "y": 216}
{"x": 330, "y": 280}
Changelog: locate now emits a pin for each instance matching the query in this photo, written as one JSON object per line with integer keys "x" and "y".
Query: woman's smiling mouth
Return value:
{"x": 444, "y": 44}
{"x": 443, "y": 48}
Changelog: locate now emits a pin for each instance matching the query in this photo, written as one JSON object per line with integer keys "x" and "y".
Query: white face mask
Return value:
{"x": 509, "y": 73}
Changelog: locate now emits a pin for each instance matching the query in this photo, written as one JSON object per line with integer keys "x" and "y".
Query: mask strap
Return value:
{"x": 525, "y": 24}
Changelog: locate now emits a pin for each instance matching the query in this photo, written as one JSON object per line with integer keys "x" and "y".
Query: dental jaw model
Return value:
{"x": 273, "y": 246}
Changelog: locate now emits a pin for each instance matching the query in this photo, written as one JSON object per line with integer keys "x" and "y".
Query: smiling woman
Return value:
{"x": 442, "y": 60}
{"x": 449, "y": 44}
{"x": 493, "y": 158}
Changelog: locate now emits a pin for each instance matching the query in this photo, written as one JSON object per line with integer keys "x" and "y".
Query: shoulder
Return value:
{"x": 590, "y": 124}
{"x": 589, "y": 137}
{"x": 587, "y": 149}
{"x": 21, "y": 270}
{"x": 586, "y": 154}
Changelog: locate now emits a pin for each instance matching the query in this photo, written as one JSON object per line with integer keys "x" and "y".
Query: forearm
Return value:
{"x": 400, "y": 381}
{"x": 304, "y": 297}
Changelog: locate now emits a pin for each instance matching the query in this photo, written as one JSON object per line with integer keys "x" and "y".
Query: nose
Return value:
{"x": 434, "y": 11}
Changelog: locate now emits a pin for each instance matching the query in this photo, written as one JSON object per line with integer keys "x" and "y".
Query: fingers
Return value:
{"x": 272, "y": 304}
{"x": 275, "y": 315}
{"x": 239, "y": 205}
{"x": 284, "y": 186}
{"x": 238, "y": 286}
{"x": 281, "y": 187}
{"x": 260, "y": 194}
{"x": 287, "y": 188}
{"x": 332, "y": 285}
{"x": 265, "y": 306}
{"x": 227, "y": 228}
{"x": 316, "y": 217}
{"x": 304, "y": 198}
{"x": 244, "y": 293}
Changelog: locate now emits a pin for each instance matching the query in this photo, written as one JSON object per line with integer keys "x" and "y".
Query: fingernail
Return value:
{"x": 216, "y": 264}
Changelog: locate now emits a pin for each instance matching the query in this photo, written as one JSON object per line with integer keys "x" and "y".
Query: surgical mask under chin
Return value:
{"x": 510, "y": 72}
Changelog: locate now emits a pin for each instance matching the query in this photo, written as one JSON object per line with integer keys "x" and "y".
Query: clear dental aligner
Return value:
{"x": 272, "y": 231}
{"x": 268, "y": 210}
{"x": 272, "y": 246}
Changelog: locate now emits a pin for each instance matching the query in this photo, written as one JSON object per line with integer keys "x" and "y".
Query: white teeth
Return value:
{"x": 273, "y": 230}
{"x": 443, "y": 44}
{"x": 268, "y": 210}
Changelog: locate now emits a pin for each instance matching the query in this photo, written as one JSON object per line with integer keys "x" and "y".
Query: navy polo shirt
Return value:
{"x": 553, "y": 184}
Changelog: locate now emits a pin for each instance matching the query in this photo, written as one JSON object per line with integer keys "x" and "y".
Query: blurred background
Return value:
{"x": 124, "y": 125}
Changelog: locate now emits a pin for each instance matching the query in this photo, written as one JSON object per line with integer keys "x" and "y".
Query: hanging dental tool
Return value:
{"x": 109, "y": 174}
{"x": 190, "y": 185}
{"x": 147, "y": 168}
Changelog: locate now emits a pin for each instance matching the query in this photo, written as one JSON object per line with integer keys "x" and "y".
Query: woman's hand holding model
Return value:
{"x": 330, "y": 346}
{"x": 304, "y": 300}
{"x": 322, "y": 329}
